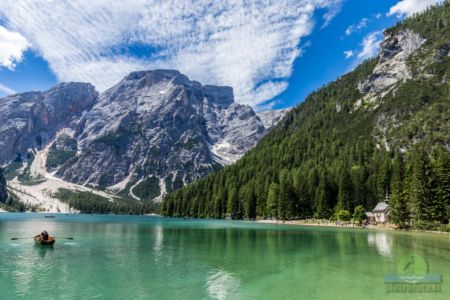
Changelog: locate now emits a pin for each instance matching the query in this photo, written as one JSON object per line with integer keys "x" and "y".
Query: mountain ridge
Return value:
{"x": 153, "y": 131}
{"x": 353, "y": 142}
{"x": 32, "y": 118}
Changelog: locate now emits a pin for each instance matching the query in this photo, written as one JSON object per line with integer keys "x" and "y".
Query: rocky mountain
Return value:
{"x": 152, "y": 132}
{"x": 161, "y": 125}
{"x": 31, "y": 120}
{"x": 270, "y": 118}
{"x": 382, "y": 130}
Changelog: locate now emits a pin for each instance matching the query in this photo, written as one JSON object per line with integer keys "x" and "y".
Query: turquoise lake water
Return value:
{"x": 142, "y": 257}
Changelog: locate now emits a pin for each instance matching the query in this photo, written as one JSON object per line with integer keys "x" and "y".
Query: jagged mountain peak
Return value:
{"x": 161, "y": 80}
{"x": 159, "y": 125}
{"x": 153, "y": 131}
{"x": 148, "y": 78}
{"x": 67, "y": 96}
{"x": 158, "y": 74}
{"x": 31, "y": 119}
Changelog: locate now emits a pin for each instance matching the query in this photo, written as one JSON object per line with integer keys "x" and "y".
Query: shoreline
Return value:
{"x": 324, "y": 224}
{"x": 381, "y": 227}
{"x": 75, "y": 213}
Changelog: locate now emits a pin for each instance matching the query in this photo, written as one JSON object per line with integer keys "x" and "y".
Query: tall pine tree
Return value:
{"x": 399, "y": 211}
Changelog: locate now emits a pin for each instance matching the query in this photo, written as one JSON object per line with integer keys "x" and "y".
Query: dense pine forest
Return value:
{"x": 90, "y": 203}
{"x": 329, "y": 156}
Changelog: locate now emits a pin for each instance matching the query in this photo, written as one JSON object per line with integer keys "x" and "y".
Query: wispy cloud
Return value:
{"x": 370, "y": 45}
{"x": 6, "y": 90}
{"x": 357, "y": 27}
{"x": 409, "y": 7}
{"x": 348, "y": 54}
{"x": 269, "y": 105}
{"x": 12, "y": 46}
{"x": 333, "y": 10}
{"x": 250, "y": 46}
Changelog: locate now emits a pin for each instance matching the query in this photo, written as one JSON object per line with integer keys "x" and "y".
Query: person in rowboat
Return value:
{"x": 43, "y": 235}
{"x": 44, "y": 239}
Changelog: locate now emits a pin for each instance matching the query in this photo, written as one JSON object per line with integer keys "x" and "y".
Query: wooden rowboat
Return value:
{"x": 40, "y": 241}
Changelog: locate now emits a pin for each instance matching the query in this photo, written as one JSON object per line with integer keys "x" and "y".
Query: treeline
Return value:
{"x": 13, "y": 204}
{"x": 420, "y": 188}
{"x": 329, "y": 155}
{"x": 91, "y": 203}
{"x": 417, "y": 186}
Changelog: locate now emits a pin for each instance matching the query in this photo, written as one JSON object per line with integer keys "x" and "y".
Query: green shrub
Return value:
{"x": 343, "y": 215}
{"x": 360, "y": 214}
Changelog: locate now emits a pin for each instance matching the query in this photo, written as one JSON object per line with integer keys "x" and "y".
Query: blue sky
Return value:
{"x": 273, "y": 54}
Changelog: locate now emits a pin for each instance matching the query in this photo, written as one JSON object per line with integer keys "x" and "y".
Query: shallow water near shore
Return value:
{"x": 144, "y": 257}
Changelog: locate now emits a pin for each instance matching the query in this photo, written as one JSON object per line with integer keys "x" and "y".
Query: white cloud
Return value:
{"x": 409, "y": 7}
{"x": 6, "y": 90}
{"x": 357, "y": 27}
{"x": 370, "y": 46}
{"x": 12, "y": 46}
{"x": 267, "y": 105}
{"x": 332, "y": 12}
{"x": 348, "y": 54}
{"x": 249, "y": 46}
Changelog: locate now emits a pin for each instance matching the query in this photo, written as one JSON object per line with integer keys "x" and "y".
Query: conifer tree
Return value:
{"x": 399, "y": 212}
{"x": 323, "y": 198}
{"x": 233, "y": 204}
{"x": 272, "y": 200}
{"x": 345, "y": 190}
{"x": 420, "y": 189}
{"x": 441, "y": 175}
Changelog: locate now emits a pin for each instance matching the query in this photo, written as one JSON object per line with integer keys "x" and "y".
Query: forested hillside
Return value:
{"x": 353, "y": 142}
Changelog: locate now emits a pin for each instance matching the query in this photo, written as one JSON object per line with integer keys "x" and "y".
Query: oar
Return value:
{"x": 56, "y": 237}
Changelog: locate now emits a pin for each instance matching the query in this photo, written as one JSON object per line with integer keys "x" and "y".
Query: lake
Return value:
{"x": 143, "y": 257}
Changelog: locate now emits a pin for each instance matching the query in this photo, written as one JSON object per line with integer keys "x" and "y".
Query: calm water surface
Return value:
{"x": 141, "y": 257}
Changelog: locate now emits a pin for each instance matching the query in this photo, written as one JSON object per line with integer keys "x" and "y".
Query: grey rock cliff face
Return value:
{"x": 392, "y": 66}
{"x": 271, "y": 118}
{"x": 159, "y": 123}
{"x": 152, "y": 124}
{"x": 30, "y": 120}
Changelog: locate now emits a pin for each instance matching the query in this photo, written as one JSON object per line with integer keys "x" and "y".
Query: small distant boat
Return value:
{"x": 40, "y": 241}
{"x": 50, "y": 217}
